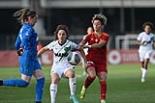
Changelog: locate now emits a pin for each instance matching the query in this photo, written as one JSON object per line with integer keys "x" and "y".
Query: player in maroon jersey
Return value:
{"x": 96, "y": 58}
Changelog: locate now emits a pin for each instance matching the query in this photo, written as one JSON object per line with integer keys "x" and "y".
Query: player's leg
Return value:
{"x": 69, "y": 73}
{"x": 91, "y": 75}
{"x": 146, "y": 62}
{"x": 143, "y": 70}
{"x": 23, "y": 82}
{"x": 103, "y": 85}
{"x": 39, "y": 85}
{"x": 53, "y": 86}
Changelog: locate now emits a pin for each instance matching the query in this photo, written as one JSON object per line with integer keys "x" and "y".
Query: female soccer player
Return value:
{"x": 61, "y": 47}
{"x": 96, "y": 57}
{"x": 146, "y": 40}
{"x": 26, "y": 45}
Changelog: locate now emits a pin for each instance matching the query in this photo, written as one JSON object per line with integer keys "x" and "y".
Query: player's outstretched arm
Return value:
{"x": 42, "y": 50}
{"x": 96, "y": 45}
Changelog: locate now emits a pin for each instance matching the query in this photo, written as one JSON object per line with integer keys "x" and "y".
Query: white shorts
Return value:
{"x": 60, "y": 69}
{"x": 145, "y": 55}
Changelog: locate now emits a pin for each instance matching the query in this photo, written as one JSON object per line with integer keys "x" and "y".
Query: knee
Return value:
{"x": 70, "y": 74}
{"x": 55, "y": 81}
{"x": 93, "y": 76}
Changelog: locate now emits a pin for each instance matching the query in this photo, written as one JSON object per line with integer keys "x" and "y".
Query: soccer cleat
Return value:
{"x": 74, "y": 99}
{"x": 142, "y": 80}
{"x": 1, "y": 82}
{"x": 38, "y": 102}
{"x": 83, "y": 92}
{"x": 103, "y": 101}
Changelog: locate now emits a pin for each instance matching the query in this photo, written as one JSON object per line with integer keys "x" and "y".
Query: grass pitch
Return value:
{"x": 124, "y": 86}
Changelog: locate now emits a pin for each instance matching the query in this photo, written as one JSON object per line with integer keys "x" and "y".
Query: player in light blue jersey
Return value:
{"x": 26, "y": 46}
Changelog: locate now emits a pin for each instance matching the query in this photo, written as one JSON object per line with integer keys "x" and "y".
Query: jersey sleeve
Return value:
{"x": 51, "y": 45}
{"x": 139, "y": 38}
{"x": 86, "y": 37}
{"x": 105, "y": 37}
{"x": 74, "y": 45}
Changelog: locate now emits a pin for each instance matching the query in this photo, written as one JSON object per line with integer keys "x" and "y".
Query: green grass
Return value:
{"x": 124, "y": 86}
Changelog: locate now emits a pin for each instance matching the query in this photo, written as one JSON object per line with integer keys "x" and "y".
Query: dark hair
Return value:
{"x": 101, "y": 18}
{"x": 148, "y": 24}
{"x": 61, "y": 27}
{"x": 23, "y": 14}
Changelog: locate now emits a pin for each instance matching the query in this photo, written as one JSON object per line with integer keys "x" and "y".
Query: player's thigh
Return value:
{"x": 55, "y": 78}
{"x": 69, "y": 73}
{"x": 141, "y": 55}
{"x": 148, "y": 54}
{"x": 90, "y": 69}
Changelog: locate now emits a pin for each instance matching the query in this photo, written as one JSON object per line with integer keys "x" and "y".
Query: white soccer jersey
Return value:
{"x": 61, "y": 51}
{"x": 148, "y": 38}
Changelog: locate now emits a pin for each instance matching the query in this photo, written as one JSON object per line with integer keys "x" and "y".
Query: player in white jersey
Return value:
{"x": 61, "y": 47}
{"x": 146, "y": 40}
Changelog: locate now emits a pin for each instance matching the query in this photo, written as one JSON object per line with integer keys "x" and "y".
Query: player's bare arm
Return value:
{"x": 97, "y": 45}
{"x": 42, "y": 50}
{"x": 83, "y": 42}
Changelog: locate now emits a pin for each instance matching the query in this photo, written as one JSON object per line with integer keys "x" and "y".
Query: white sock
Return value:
{"x": 144, "y": 72}
{"x": 72, "y": 85}
{"x": 53, "y": 92}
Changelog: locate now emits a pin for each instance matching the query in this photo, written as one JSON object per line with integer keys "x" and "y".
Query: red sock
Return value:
{"x": 103, "y": 86}
{"x": 88, "y": 81}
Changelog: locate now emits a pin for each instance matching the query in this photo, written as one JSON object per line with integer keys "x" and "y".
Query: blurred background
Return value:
{"x": 125, "y": 19}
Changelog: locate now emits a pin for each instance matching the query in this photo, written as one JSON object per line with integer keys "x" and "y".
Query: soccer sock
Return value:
{"x": 15, "y": 83}
{"x": 53, "y": 92}
{"x": 144, "y": 72}
{"x": 72, "y": 85}
{"x": 39, "y": 89}
{"x": 103, "y": 86}
{"x": 88, "y": 81}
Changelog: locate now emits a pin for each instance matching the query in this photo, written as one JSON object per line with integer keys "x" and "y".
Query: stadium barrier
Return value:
{"x": 10, "y": 58}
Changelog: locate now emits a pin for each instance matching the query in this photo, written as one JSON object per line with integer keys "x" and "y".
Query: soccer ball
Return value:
{"x": 74, "y": 58}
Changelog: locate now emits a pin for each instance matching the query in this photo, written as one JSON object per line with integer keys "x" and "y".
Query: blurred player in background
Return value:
{"x": 96, "y": 58}
{"x": 39, "y": 46}
{"x": 146, "y": 40}
{"x": 61, "y": 47}
{"x": 89, "y": 31}
{"x": 26, "y": 45}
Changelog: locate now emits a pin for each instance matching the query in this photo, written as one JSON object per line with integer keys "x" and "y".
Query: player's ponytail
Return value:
{"x": 23, "y": 14}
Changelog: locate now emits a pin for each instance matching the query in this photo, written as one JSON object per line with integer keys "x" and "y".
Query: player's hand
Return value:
{"x": 87, "y": 46}
{"x": 144, "y": 43}
{"x": 20, "y": 51}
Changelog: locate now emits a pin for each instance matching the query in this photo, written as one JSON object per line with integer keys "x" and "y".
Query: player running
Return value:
{"x": 96, "y": 57}
{"x": 26, "y": 45}
{"x": 146, "y": 40}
